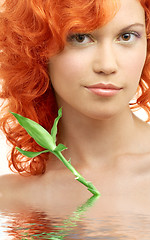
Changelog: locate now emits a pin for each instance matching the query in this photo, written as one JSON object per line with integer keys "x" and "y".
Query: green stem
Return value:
{"x": 48, "y": 141}
{"x": 78, "y": 176}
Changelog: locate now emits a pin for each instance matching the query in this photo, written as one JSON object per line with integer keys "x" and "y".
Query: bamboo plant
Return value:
{"x": 48, "y": 142}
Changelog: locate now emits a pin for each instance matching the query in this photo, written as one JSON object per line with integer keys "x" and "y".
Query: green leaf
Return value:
{"x": 54, "y": 128}
{"x": 36, "y": 131}
{"x": 60, "y": 148}
{"x": 30, "y": 154}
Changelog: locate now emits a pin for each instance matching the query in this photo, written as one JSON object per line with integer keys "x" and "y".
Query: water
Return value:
{"x": 91, "y": 220}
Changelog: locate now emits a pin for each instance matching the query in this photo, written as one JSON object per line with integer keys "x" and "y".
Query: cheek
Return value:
{"x": 67, "y": 66}
{"x": 134, "y": 63}
{"x": 135, "y": 68}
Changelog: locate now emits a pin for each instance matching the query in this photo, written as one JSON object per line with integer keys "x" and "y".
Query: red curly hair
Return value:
{"x": 32, "y": 31}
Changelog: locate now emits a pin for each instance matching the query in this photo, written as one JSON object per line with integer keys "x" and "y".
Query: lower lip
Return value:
{"x": 104, "y": 92}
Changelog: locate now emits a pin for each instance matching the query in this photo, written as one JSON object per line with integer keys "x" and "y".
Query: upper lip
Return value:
{"x": 104, "y": 86}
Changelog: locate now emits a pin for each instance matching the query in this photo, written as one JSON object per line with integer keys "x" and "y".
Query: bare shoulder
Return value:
{"x": 19, "y": 189}
{"x": 10, "y": 184}
{"x": 134, "y": 172}
{"x": 42, "y": 192}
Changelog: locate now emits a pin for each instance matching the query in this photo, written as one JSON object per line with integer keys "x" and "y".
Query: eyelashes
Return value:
{"x": 78, "y": 39}
{"x": 128, "y": 37}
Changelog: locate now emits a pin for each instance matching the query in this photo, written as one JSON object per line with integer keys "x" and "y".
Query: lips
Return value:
{"x": 104, "y": 90}
{"x": 104, "y": 86}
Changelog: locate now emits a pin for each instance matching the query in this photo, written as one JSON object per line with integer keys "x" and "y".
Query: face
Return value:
{"x": 98, "y": 73}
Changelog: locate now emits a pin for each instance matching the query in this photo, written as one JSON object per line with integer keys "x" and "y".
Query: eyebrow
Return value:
{"x": 133, "y": 25}
{"x": 128, "y": 27}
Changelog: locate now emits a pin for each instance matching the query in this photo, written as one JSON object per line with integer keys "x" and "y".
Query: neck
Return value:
{"x": 93, "y": 140}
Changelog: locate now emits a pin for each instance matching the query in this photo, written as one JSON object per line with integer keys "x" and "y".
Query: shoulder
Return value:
{"x": 15, "y": 188}
{"x": 8, "y": 191}
{"x": 134, "y": 169}
{"x": 10, "y": 184}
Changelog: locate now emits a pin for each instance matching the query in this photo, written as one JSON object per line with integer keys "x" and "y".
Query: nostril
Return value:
{"x": 105, "y": 70}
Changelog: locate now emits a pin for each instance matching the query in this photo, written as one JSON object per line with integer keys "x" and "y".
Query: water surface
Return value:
{"x": 92, "y": 219}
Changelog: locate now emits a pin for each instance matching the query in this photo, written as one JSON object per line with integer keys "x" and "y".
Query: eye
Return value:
{"x": 126, "y": 37}
{"x": 80, "y": 39}
{"x": 129, "y": 37}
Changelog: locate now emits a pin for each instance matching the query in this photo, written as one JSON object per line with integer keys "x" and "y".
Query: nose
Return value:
{"x": 105, "y": 60}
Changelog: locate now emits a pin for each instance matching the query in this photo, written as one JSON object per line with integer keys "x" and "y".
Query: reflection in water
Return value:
{"x": 34, "y": 224}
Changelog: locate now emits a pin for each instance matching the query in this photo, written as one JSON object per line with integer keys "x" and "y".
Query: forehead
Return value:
{"x": 131, "y": 9}
{"x": 130, "y": 12}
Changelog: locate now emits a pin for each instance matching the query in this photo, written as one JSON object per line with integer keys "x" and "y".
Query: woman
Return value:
{"x": 91, "y": 58}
